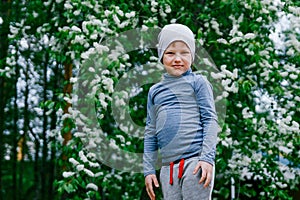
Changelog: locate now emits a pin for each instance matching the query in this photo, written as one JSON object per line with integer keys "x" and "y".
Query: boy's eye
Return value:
{"x": 169, "y": 53}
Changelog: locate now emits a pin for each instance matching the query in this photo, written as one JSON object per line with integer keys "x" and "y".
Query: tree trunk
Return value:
{"x": 36, "y": 167}
{"x": 15, "y": 138}
{"x": 5, "y": 9}
{"x": 22, "y": 141}
{"x": 44, "y": 168}
{"x": 52, "y": 139}
{"x": 67, "y": 124}
{"x": 2, "y": 106}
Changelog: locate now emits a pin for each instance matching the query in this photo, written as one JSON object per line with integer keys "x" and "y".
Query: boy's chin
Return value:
{"x": 176, "y": 73}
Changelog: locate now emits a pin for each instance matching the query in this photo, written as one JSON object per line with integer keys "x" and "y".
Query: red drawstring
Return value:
{"x": 171, "y": 172}
{"x": 180, "y": 173}
{"x": 181, "y": 165}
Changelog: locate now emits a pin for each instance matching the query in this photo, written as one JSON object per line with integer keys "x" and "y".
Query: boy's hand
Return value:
{"x": 207, "y": 170}
{"x": 149, "y": 181}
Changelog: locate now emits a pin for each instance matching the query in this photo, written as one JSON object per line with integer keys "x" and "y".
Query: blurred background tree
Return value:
{"x": 43, "y": 152}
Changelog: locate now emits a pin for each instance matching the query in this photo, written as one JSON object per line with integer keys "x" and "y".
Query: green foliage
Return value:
{"x": 259, "y": 141}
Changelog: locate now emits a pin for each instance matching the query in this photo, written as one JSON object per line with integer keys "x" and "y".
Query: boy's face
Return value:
{"x": 177, "y": 58}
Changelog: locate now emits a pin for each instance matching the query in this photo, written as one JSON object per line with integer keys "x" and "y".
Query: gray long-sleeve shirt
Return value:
{"x": 181, "y": 121}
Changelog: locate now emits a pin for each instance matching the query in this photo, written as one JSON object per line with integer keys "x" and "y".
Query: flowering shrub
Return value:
{"x": 255, "y": 46}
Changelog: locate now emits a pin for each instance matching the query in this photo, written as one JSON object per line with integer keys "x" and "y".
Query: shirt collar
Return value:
{"x": 168, "y": 76}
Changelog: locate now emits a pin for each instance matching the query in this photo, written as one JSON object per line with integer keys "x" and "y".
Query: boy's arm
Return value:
{"x": 208, "y": 118}
{"x": 150, "y": 140}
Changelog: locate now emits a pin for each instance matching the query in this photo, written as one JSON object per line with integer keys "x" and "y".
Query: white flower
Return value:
{"x": 154, "y": 3}
{"x": 290, "y": 52}
{"x": 295, "y": 125}
{"x": 264, "y": 53}
{"x": 131, "y": 14}
{"x": 173, "y": 21}
{"x": 80, "y": 167}
{"x": 207, "y": 62}
{"x": 222, "y": 40}
{"x": 82, "y": 156}
{"x": 246, "y": 173}
{"x": 247, "y": 6}
{"x": 24, "y": 43}
{"x": 249, "y": 36}
{"x": 225, "y": 71}
{"x": 281, "y": 185}
{"x": 259, "y": 19}
{"x": 76, "y": 12}
{"x": 249, "y": 52}
{"x": 116, "y": 19}
{"x": 91, "y": 155}
{"x": 119, "y": 102}
{"x": 49, "y": 112}
{"x": 68, "y": 174}
{"x": 108, "y": 84}
{"x": 68, "y": 100}
{"x": 91, "y": 69}
{"x": 144, "y": 28}
{"x": 79, "y": 134}
{"x": 235, "y": 73}
{"x": 215, "y": 26}
{"x": 85, "y": 55}
{"x": 226, "y": 82}
{"x": 227, "y": 141}
{"x": 123, "y": 24}
{"x": 234, "y": 40}
{"x": 225, "y": 94}
{"x": 73, "y": 79}
{"x": 168, "y": 9}
{"x": 92, "y": 164}
{"x": 217, "y": 75}
{"x": 75, "y": 28}
{"x": 99, "y": 174}
{"x": 285, "y": 149}
{"x": 295, "y": 10}
{"x": 247, "y": 113}
{"x": 275, "y": 64}
{"x": 39, "y": 111}
{"x": 78, "y": 39}
{"x": 107, "y": 13}
{"x": 120, "y": 12}
{"x": 289, "y": 175}
{"x": 67, "y": 5}
{"x": 293, "y": 76}
{"x": 92, "y": 186}
{"x": 35, "y": 14}
{"x": 153, "y": 9}
{"x": 1, "y": 20}
{"x": 73, "y": 161}
{"x": 284, "y": 74}
{"x": 89, "y": 173}
{"x": 153, "y": 58}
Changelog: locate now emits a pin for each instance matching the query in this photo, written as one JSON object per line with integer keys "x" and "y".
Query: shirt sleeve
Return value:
{"x": 208, "y": 118}
{"x": 150, "y": 139}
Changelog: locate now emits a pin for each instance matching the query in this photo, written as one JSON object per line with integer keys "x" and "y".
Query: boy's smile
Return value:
{"x": 177, "y": 58}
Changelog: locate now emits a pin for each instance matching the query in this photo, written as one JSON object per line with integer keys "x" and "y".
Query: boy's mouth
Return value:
{"x": 177, "y": 66}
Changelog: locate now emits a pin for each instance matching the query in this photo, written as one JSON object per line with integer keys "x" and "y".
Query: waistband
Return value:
{"x": 177, "y": 161}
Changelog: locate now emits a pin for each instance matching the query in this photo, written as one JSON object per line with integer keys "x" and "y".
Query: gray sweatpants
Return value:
{"x": 186, "y": 188}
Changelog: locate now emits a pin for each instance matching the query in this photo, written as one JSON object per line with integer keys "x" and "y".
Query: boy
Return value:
{"x": 181, "y": 122}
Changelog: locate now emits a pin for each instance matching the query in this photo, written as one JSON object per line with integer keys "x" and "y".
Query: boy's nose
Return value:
{"x": 177, "y": 58}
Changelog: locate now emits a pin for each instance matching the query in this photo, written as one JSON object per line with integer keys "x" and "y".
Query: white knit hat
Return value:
{"x": 175, "y": 32}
